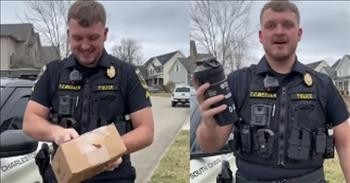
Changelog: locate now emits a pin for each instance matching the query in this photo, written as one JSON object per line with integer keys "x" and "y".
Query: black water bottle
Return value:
{"x": 211, "y": 71}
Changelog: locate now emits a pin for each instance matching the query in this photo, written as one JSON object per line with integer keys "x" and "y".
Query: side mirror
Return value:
{"x": 15, "y": 142}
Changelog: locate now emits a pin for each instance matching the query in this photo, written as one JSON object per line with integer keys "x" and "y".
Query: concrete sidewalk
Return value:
{"x": 168, "y": 122}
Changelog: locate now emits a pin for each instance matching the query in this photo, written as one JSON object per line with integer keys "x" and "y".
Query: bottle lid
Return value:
{"x": 208, "y": 66}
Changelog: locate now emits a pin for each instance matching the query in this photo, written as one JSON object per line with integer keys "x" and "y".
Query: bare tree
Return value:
{"x": 49, "y": 20}
{"x": 128, "y": 51}
{"x": 222, "y": 28}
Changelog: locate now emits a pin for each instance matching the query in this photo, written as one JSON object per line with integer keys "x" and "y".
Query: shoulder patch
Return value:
{"x": 142, "y": 81}
{"x": 42, "y": 70}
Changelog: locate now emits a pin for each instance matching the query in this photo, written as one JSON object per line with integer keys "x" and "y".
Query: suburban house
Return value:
{"x": 342, "y": 70}
{"x": 167, "y": 68}
{"x": 339, "y": 72}
{"x": 21, "y": 48}
{"x": 179, "y": 73}
{"x": 323, "y": 67}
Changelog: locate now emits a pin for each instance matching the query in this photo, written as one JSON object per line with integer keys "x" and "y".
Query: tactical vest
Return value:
{"x": 90, "y": 103}
{"x": 93, "y": 102}
{"x": 284, "y": 128}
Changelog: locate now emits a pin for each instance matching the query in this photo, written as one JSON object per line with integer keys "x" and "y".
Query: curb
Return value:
{"x": 166, "y": 150}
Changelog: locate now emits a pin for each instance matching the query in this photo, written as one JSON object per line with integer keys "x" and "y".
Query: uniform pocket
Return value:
{"x": 107, "y": 105}
{"x": 307, "y": 115}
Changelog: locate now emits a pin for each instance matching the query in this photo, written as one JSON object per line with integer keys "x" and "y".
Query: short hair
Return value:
{"x": 280, "y": 6}
{"x": 87, "y": 13}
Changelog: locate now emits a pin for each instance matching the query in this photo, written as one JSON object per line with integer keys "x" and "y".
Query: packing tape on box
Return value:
{"x": 93, "y": 146}
{"x": 98, "y": 156}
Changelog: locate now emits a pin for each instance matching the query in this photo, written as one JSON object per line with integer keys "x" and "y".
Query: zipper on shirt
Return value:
{"x": 85, "y": 106}
{"x": 282, "y": 127}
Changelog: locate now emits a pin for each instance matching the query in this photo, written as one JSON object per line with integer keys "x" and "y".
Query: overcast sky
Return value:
{"x": 159, "y": 27}
{"x": 326, "y": 30}
{"x": 162, "y": 27}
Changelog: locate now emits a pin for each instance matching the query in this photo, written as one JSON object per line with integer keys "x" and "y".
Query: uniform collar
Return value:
{"x": 264, "y": 67}
{"x": 103, "y": 62}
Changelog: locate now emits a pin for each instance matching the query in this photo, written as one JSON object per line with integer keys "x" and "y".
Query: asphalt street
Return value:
{"x": 167, "y": 122}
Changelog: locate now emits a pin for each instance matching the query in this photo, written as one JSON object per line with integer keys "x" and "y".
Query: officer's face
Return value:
{"x": 279, "y": 34}
{"x": 87, "y": 43}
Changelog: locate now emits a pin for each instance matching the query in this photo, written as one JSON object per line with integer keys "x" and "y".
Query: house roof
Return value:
{"x": 330, "y": 71}
{"x": 48, "y": 54}
{"x": 19, "y": 32}
{"x": 338, "y": 62}
{"x": 185, "y": 62}
{"x": 314, "y": 64}
{"x": 163, "y": 58}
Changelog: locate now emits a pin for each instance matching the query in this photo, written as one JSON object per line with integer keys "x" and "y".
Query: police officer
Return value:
{"x": 286, "y": 110}
{"x": 89, "y": 89}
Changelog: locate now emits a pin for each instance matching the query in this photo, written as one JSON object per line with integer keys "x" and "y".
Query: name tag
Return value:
{"x": 69, "y": 87}
{"x": 256, "y": 94}
{"x": 303, "y": 96}
{"x": 106, "y": 88}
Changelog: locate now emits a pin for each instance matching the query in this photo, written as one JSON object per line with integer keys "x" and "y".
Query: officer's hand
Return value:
{"x": 114, "y": 165}
{"x": 204, "y": 104}
{"x": 62, "y": 135}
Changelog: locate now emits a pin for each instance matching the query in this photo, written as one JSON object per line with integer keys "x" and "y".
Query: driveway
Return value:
{"x": 168, "y": 121}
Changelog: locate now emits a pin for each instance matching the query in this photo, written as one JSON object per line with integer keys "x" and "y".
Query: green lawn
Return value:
{"x": 333, "y": 171}
{"x": 174, "y": 166}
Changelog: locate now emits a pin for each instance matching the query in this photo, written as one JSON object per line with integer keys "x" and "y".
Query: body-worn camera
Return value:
{"x": 66, "y": 110}
{"x": 261, "y": 115}
{"x": 66, "y": 106}
{"x": 211, "y": 71}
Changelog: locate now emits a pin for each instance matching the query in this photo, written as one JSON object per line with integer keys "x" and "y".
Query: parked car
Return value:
{"x": 17, "y": 150}
{"x": 181, "y": 94}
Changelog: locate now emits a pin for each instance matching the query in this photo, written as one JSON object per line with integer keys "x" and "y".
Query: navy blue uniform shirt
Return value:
{"x": 136, "y": 93}
{"x": 130, "y": 86}
{"x": 335, "y": 111}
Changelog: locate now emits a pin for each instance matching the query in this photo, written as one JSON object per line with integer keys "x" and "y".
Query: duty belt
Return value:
{"x": 316, "y": 176}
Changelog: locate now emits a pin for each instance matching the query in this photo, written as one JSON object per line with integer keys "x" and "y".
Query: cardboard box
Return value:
{"x": 87, "y": 155}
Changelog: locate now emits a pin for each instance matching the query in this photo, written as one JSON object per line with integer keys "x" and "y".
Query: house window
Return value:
{"x": 339, "y": 73}
{"x": 177, "y": 69}
{"x": 151, "y": 71}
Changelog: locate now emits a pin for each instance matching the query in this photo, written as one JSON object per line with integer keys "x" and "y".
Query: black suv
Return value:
{"x": 15, "y": 93}
{"x": 16, "y": 149}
